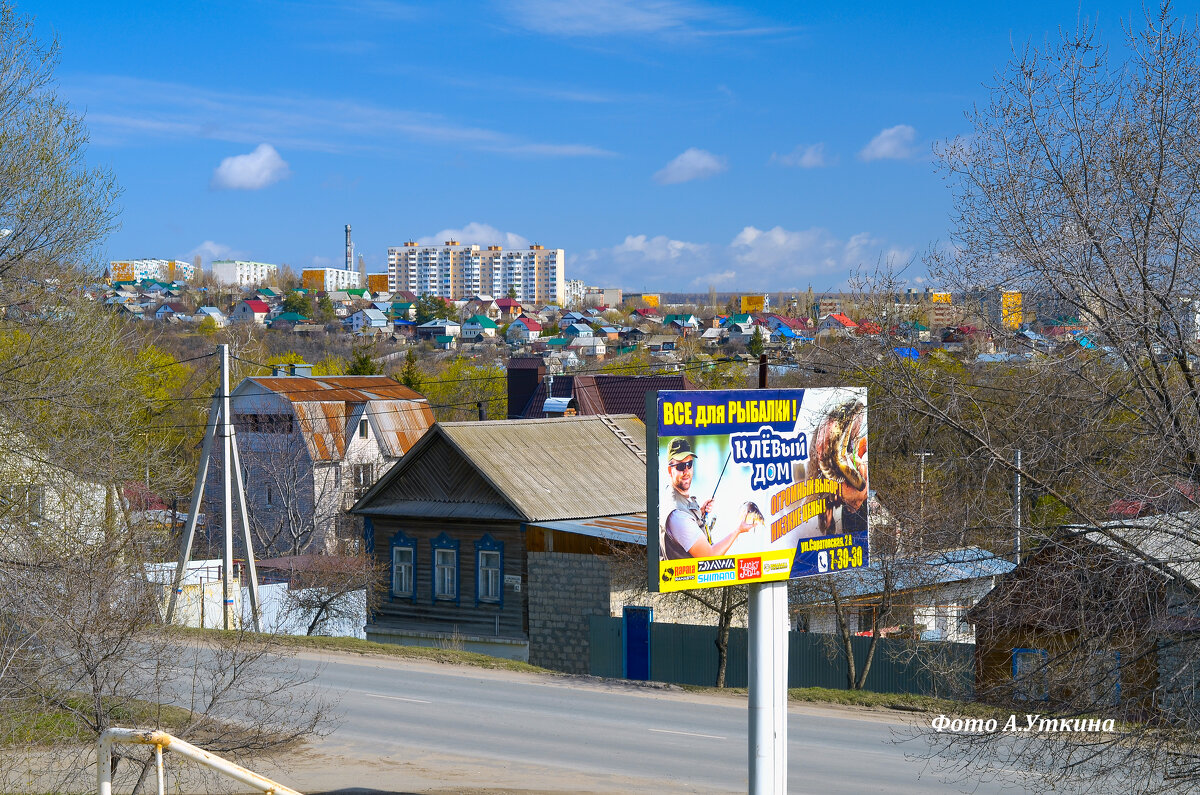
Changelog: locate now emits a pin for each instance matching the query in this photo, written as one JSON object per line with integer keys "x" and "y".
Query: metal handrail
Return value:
{"x": 161, "y": 740}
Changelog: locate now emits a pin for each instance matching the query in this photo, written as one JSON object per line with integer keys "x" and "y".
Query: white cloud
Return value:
{"x": 894, "y": 143}
{"x": 477, "y": 234}
{"x": 253, "y": 171}
{"x": 656, "y": 249}
{"x": 692, "y": 164}
{"x": 126, "y": 110}
{"x": 755, "y": 259}
{"x": 812, "y": 156}
{"x": 210, "y": 250}
{"x": 675, "y": 18}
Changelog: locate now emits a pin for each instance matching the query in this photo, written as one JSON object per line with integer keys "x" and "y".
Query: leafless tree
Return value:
{"x": 1078, "y": 189}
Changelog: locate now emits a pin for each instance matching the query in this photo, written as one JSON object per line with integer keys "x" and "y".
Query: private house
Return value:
{"x": 478, "y": 326}
{"x": 171, "y": 309}
{"x": 524, "y": 329}
{"x": 929, "y": 596}
{"x": 367, "y": 319}
{"x": 661, "y": 343}
{"x": 310, "y": 447}
{"x": 508, "y": 560}
{"x": 252, "y": 310}
{"x": 1096, "y": 618}
{"x": 577, "y": 330}
{"x": 589, "y": 347}
{"x": 836, "y": 325}
{"x": 483, "y": 305}
{"x": 44, "y": 505}
{"x": 510, "y": 309}
{"x": 439, "y": 327}
{"x": 211, "y": 311}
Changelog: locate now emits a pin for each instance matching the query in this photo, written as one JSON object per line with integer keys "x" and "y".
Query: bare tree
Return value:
{"x": 1078, "y": 190}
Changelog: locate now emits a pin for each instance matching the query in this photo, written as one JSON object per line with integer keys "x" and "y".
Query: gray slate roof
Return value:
{"x": 547, "y": 469}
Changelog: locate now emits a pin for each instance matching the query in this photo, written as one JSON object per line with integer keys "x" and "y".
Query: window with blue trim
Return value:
{"x": 1029, "y": 675}
{"x": 489, "y": 571}
{"x": 445, "y": 568}
{"x": 404, "y": 567}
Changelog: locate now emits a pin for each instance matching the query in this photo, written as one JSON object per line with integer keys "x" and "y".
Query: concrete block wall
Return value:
{"x": 565, "y": 590}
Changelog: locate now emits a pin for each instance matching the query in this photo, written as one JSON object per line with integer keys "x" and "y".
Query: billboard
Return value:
{"x": 1010, "y": 309}
{"x": 753, "y": 303}
{"x": 755, "y": 485}
{"x": 941, "y": 298}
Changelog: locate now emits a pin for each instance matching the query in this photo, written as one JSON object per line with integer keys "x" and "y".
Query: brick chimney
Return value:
{"x": 524, "y": 375}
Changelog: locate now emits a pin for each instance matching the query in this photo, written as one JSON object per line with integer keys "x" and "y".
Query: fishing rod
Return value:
{"x": 711, "y": 521}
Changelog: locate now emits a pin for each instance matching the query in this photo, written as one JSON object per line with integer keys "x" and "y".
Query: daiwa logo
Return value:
{"x": 720, "y": 564}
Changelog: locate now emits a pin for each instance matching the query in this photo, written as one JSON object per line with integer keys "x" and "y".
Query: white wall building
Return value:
{"x": 331, "y": 279}
{"x": 163, "y": 270}
{"x": 456, "y": 271}
{"x": 243, "y": 272}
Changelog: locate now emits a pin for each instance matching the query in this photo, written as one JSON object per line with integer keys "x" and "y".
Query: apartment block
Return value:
{"x": 162, "y": 270}
{"x": 244, "y": 273}
{"x": 456, "y": 271}
{"x": 330, "y": 279}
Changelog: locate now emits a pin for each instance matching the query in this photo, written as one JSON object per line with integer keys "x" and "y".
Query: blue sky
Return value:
{"x": 665, "y": 144}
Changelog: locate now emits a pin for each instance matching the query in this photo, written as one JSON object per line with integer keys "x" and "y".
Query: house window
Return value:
{"x": 362, "y": 428}
{"x": 445, "y": 568}
{"x": 1029, "y": 675}
{"x": 269, "y": 495}
{"x": 489, "y": 571}
{"x": 404, "y": 567}
{"x": 364, "y": 478}
{"x": 23, "y": 502}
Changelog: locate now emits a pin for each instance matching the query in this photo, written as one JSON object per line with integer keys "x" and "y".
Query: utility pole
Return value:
{"x": 1016, "y": 508}
{"x": 227, "y": 488}
{"x": 921, "y": 480}
{"x": 218, "y": 423}
{"x": 768, "y": 665}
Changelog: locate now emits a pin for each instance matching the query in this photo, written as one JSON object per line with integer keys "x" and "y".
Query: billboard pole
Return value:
{"x": 768, "y": 664}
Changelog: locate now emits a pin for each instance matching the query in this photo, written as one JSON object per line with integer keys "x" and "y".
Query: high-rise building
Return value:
{"x": 330, "y": 279}
{"x": 163, "y": 270}
{"x": 243, "y": 272}
{"x": 456, "y": 271}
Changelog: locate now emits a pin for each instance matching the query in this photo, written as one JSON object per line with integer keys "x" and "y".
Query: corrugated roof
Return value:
{"x": 323, "y": 426}
{"x": 586, "y": 466}
{"x": 399, "y": 423}
{"x": 942, "y": 568}
{"x": 628, "y": 527}
{"x": 347, "y": 388}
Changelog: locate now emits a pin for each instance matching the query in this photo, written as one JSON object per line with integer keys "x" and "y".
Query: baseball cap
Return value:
{"x": 679, "y": 449}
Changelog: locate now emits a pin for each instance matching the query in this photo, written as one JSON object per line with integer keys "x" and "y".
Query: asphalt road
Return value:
{"x": 413, "y": 727}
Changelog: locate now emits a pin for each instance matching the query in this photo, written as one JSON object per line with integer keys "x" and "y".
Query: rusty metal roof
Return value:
{"x": 627, "y": 527}
{"x": 399, "y": 424}
{"x": 323, "y": 406}
{"x": 346, "y": 388}
{"x": 323, "y": 426}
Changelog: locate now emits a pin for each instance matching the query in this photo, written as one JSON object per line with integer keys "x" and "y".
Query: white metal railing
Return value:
{"x": 161, "y": 740}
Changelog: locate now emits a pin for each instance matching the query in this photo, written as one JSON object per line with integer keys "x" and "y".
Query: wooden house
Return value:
{"x": 1098, "y": 619}
{"x": 495, "y": 535}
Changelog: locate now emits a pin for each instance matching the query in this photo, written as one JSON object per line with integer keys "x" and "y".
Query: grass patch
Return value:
{"x": 371, "y": 648}
{"x": 901, "y": 702}
{"x": 39, "y": 724}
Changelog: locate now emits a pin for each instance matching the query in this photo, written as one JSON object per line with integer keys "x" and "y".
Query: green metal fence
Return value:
{"x": 687, "y": 654}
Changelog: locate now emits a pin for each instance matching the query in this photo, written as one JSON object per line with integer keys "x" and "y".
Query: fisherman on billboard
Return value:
{"x": 687, "y": 526}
